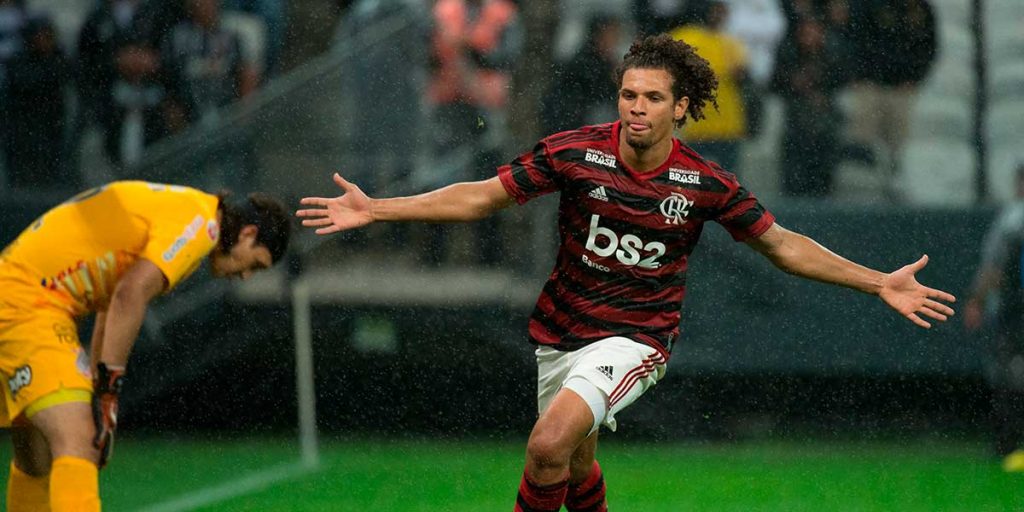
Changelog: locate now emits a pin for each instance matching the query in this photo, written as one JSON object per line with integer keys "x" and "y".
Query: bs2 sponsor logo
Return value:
{"x": 628, "y": 249}
{"x": 22, "y": 377}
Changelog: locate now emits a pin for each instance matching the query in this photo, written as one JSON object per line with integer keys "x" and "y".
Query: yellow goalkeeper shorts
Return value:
{"x": 42, "y": 363}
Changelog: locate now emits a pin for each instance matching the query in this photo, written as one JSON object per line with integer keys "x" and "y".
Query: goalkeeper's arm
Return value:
{"x": 140, "y": 284}
{"x": 112, "y": 341}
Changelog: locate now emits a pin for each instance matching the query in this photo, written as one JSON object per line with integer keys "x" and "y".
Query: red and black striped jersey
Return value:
{"x": 625, "y": 236}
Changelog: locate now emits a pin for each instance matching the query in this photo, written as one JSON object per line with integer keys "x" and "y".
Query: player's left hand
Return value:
{"x": 901, "y": 291}
{"x": 106, "y": 389}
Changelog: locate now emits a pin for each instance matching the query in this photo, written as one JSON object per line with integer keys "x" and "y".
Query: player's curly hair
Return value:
{"x": 261, "y": 210}
{"x": 692, "y": 76}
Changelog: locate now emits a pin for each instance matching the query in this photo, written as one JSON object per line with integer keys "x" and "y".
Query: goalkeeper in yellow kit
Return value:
{"x": 108, "y": 251}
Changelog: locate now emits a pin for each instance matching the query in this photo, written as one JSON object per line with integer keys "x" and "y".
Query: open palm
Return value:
{"x": 902, "y": 292}
{"x": 333, "y": 214}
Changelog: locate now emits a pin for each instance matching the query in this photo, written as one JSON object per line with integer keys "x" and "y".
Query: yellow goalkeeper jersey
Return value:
{"x": 72, "y": 257}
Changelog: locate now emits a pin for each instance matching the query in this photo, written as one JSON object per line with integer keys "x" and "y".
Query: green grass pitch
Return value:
{"x": 434, "y": 475}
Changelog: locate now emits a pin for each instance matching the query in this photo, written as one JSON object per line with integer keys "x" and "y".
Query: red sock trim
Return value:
{"x": 540, "y": 498}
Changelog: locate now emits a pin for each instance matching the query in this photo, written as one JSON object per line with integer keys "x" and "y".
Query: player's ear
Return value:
{"x": 248, "y": 232}
{"x": 681, "y": 107}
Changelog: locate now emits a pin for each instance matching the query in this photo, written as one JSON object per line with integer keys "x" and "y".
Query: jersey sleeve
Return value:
{"x": 741, "y": 214}
{"x": 178, "y": 242}
{"x": 530, "y": 175}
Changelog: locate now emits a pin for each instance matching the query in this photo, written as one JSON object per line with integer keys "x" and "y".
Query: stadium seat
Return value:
{"x": 1006, "y": 81}
{"x": 939, "y": 174}
{"x": 941, "y": 118}
{"x": 951, "y": 78}
{"x": 1002, "y": 164}
{"x": 1005, "y": 123}
{"x": 952, "y": 11}
{"x": 955, "y": 41}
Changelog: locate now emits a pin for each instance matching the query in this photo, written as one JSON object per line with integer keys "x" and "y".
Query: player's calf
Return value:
{"x": 588, "y": 495}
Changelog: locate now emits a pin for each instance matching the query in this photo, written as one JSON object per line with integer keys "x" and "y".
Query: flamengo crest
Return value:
{"x": 676, "y": 208}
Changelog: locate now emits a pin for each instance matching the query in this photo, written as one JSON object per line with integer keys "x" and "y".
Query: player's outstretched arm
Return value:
{"x": 460, "y": 202}
{"x": 799, "y": 255}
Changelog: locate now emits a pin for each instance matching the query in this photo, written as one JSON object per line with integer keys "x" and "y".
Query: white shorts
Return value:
{"x": 622, "y": 369}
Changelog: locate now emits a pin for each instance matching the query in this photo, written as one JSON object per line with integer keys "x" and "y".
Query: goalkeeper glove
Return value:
{"x": 106, "y": 386}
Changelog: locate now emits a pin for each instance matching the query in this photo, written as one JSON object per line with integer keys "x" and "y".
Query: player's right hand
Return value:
{"x": 331, "y": 215}
{"x": 106, "y": 385}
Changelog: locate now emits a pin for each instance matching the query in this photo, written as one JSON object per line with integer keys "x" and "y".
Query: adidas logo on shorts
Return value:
{"x": 606, "y": 370}
{"x": 599, "y": 194}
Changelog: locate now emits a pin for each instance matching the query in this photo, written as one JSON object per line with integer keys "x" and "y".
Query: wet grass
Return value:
{"x": 434, "y": 475}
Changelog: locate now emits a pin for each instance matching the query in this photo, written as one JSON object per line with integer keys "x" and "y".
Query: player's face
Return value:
{"x": 646, "y": 107}
{"x": 244, "y": 258}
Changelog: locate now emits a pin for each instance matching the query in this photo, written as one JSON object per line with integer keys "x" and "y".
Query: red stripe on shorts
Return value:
{"x": 634, "y": 375}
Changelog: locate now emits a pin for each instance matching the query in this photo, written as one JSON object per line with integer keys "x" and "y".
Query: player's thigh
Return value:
{"x": 621, "y": 369}
{"x": 42, "y": 363}
{"x": 552, "y": 368}
{"x": 561, "y": 428}
{"x": 69, "y": 429}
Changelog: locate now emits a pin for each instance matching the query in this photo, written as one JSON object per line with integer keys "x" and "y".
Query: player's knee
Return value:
{"x": 75, "y": 444}
{"x": 31, "y": 452}
{"x": 32, "y": 465}
{"x": 547, "y": 449}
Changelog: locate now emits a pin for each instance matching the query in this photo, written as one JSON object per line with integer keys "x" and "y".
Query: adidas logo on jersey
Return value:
{"x": 606, "y": 371}
{"x": 599, "y": 194}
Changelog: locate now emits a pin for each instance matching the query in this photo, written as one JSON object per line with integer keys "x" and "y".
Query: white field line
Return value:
{"x": 248, "y": 484}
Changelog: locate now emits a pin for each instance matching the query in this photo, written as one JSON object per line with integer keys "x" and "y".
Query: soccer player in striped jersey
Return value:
{"x": 634, "y": 200}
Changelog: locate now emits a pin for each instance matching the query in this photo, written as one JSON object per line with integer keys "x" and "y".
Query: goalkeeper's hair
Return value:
{"x": 692, "y": 76}
{"x": 272, "y": 222}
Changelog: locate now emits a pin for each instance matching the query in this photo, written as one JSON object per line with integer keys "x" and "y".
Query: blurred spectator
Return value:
{"x": 717, "y": 137}
{"x": 895, "y": 42}
{"x": 252, "y": 39}
{"x": 806, "y": 78}
{"x": 583, "y": 90}
{"x": 12, "y": 18}
{"x": 760, "y": 25}
{"x": 35, "y": 95}
{"x": 657, "y": 16}
{"x": 1001, "y": 273}
{"x": 119, "y": 77}
{"x": 392, "y": 74}
{"x": 387, "y": 140}
{"x": 203, "y": 65}
{"x": 272, "y": 14}
{"x": 475, "y": 45}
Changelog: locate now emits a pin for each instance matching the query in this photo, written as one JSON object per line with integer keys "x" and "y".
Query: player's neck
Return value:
{"x": 645, "y": 159}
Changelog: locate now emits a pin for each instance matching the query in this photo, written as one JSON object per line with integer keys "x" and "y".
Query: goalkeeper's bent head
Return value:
{"x": 254, "y": 234}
